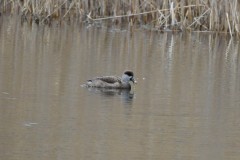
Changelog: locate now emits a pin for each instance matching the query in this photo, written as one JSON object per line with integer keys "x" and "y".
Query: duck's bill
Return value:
{"x": 134, "y": 81}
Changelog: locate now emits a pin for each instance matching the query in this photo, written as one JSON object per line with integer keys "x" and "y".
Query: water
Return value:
{"x": 186, "y": 104}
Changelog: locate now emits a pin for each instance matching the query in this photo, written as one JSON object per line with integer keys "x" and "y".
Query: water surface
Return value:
{"x": 186, "y": 104}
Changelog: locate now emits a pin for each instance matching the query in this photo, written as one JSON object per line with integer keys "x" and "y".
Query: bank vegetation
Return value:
{"x": 164, "y": 15}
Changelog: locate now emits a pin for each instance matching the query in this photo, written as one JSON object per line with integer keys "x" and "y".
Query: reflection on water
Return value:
{"x": 125, "y": 94}
{"x": 185, "y": 105}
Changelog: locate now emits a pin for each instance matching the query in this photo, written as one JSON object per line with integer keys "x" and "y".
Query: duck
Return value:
{"x": 112, "y": 82}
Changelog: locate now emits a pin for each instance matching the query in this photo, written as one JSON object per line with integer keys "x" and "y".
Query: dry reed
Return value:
{"x": 198, "y": 15}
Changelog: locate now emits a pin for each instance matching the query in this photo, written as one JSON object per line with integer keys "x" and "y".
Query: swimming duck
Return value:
{"x": 112, "y": 81}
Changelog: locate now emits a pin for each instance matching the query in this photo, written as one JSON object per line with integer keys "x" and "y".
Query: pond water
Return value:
{"x": 186, "y": 104}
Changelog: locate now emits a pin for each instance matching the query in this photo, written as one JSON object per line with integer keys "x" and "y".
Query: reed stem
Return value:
{"x": 199, "y": 15}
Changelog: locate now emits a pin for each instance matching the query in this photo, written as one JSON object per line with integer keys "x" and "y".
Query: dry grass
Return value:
{"x": 197, "y": 15}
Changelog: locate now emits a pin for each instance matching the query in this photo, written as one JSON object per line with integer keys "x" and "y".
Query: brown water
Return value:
{"x": 186, "y": 104}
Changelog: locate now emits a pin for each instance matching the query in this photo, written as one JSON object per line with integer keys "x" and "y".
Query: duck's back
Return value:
{"x": 107, "y": 82}
{"x": 108, "y": 79}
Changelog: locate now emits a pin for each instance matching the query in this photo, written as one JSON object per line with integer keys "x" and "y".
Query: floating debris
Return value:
{"x": 30, "y": 124}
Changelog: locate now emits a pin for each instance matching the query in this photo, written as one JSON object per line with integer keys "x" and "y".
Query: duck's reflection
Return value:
{"x": 125, "y": 94}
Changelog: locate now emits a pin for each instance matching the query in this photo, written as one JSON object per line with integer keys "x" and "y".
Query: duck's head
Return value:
{"x": 128, "y": 76}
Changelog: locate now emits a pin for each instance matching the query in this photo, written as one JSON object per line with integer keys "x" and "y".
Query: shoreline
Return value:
{"x": 186, "y": 15}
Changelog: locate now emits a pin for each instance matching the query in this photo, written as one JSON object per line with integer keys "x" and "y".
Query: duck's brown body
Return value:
{"x": 111, "y": 81}
{"x": 108, "y": 82}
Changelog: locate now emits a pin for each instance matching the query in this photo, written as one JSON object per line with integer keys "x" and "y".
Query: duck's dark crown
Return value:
{"x": 129, "y": 73}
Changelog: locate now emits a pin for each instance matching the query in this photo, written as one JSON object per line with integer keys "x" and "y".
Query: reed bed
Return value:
{"x": 197, "y": 15}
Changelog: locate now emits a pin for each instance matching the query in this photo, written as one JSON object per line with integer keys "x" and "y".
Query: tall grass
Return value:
{"x": 197, "y": 15}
